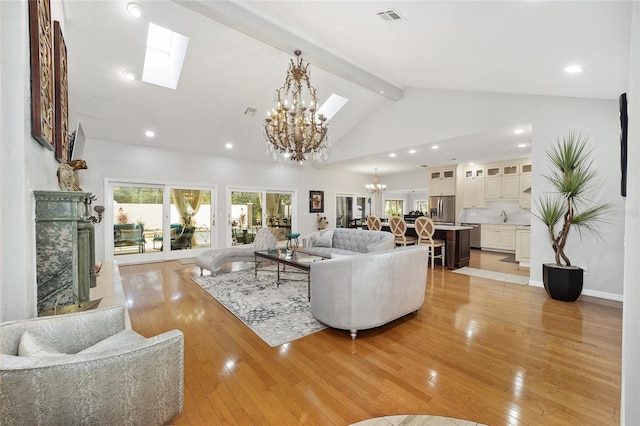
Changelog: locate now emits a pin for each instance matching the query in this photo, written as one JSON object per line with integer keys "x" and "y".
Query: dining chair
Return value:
{"x": 374, "y": 223}
{"x": 399, "y": 230}
{"x": 425, "y": 230}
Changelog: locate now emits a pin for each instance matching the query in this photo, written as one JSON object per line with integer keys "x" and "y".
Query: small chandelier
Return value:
{"x": 293, "y": 127}
{"x": 376, "y": 187}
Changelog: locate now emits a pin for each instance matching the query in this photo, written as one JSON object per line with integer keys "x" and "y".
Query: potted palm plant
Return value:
{"x": 572, "y": 176}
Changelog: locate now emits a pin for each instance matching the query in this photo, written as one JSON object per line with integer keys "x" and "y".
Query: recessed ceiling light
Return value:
{"x": 134, "y": 10}
{"x": 129, "y": 75}
{"x": 522, "y": 145}
{"x": 392, "y": 155}
{"x": 149, "y": 133}
{"x": 228, "y": 145}
{"x": 573, "y": 69}
{"x": 518, "y": 131}
{"x": 472, "y": 163}
{"x": 412, "y": 151}
{"x": 435, "y": 147}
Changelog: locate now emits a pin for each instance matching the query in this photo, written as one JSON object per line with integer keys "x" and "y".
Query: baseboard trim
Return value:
{"x": 587, "y": 292}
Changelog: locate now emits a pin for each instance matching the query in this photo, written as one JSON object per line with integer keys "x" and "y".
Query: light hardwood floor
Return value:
{"x": 481, "y": 350}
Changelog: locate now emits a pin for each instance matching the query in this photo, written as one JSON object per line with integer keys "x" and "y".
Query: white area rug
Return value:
{"x": 277, "y": 315}
{"x": 416, "y": 420}
{"x": 498, "y": 276}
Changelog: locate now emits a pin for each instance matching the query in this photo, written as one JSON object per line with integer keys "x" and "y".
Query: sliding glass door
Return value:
{"x": 251, "y": 210}
{"x": 352, "y": 210}
{"x": 137, "y": 218}
{"x": 153, "y": 222}
{"x": 279, "y": 213}
{"x": 245, "y": 217}
{"x": 190, "y": 218}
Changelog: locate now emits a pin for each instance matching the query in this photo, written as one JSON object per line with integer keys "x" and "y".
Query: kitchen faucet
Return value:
{"x": 504, "y": 215}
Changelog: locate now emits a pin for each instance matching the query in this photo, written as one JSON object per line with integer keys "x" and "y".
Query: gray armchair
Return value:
{"x": 104, "y": 374}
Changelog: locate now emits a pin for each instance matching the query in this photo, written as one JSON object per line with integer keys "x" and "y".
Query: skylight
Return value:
{"x": 164, "y": 56}
{"x": 332, "y": 105}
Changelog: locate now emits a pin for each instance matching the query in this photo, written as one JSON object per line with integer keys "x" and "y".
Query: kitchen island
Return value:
{"x": 457, "y": 239}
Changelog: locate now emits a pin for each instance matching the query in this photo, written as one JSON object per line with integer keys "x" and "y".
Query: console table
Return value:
{"x": 65, "y": 248}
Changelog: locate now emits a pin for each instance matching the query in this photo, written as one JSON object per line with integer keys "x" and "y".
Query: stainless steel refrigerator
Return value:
{"x": 442, "y": 209}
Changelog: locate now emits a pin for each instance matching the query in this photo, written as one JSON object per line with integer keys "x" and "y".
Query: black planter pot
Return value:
{"x": 562, "y": 282}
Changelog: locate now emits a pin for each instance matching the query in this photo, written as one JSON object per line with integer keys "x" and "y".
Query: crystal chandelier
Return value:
{"x": 375, "y": 187}
{"x": 293, "y": 127}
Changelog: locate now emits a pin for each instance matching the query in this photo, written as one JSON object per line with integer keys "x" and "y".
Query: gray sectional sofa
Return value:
{"x": 365, "y": 281}
{"x": 346, "y": 241}
{"x": 368, "y": 290}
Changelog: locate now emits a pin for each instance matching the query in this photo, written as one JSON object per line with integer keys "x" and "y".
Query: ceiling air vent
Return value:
{"x": 250, "y": 111}
{"x": 390, "y": 15}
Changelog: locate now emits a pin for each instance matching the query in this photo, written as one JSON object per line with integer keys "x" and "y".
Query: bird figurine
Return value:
{"x": 68, "y": 175}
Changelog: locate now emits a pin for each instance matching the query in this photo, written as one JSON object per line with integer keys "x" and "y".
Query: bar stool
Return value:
{"x": 425, "y": 230}
{"x": 399, "y": 230}
{"x": 374, "y": 223}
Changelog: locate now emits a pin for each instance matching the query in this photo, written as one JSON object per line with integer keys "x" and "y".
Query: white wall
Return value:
{"x": 630, "y": 414}
{"x": 599, "y": 256}
{"x": 26, "y": 166}
{"x": 106, "y": 160}
{"x": 430, "y": 115}
{"x": 24, "y": 163}
{"x": 412, "y": 181}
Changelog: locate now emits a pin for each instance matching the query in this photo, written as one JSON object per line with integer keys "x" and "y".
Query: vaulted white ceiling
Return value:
{"x": 238, "y": 54}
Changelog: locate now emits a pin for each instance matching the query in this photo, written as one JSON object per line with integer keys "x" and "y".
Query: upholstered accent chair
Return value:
{"x": 374, "y": 223}
{"x": 425, "y": 229}
{"x": 86, "y": 368}
{"x": 399, "y": 230}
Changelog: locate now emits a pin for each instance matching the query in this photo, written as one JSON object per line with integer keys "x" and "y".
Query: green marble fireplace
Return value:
{"x": 65, "y": 248}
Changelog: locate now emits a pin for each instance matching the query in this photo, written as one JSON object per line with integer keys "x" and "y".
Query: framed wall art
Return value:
{"x": 316, "y": 201}
{"x": 61, "y": 97}
{"x": 41, "y": 40}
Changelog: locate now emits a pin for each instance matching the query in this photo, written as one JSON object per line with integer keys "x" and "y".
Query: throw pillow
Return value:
{"x": 31, "y": 344}
{"x": 324, "y": 240}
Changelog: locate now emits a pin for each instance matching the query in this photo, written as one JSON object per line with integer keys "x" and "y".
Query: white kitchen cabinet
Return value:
{"x": 502, "y": 187}
{"x": 473, "y": 193}
{"x": 523, "y": 246}
{"x": 502, "y": 182}
{"x": 498, "y": 237}
{"x": 474, "y": 172}
{"x": 442, "y": 181}
{"x": 525, "y": 191}
{"x": 503, "y": 169}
